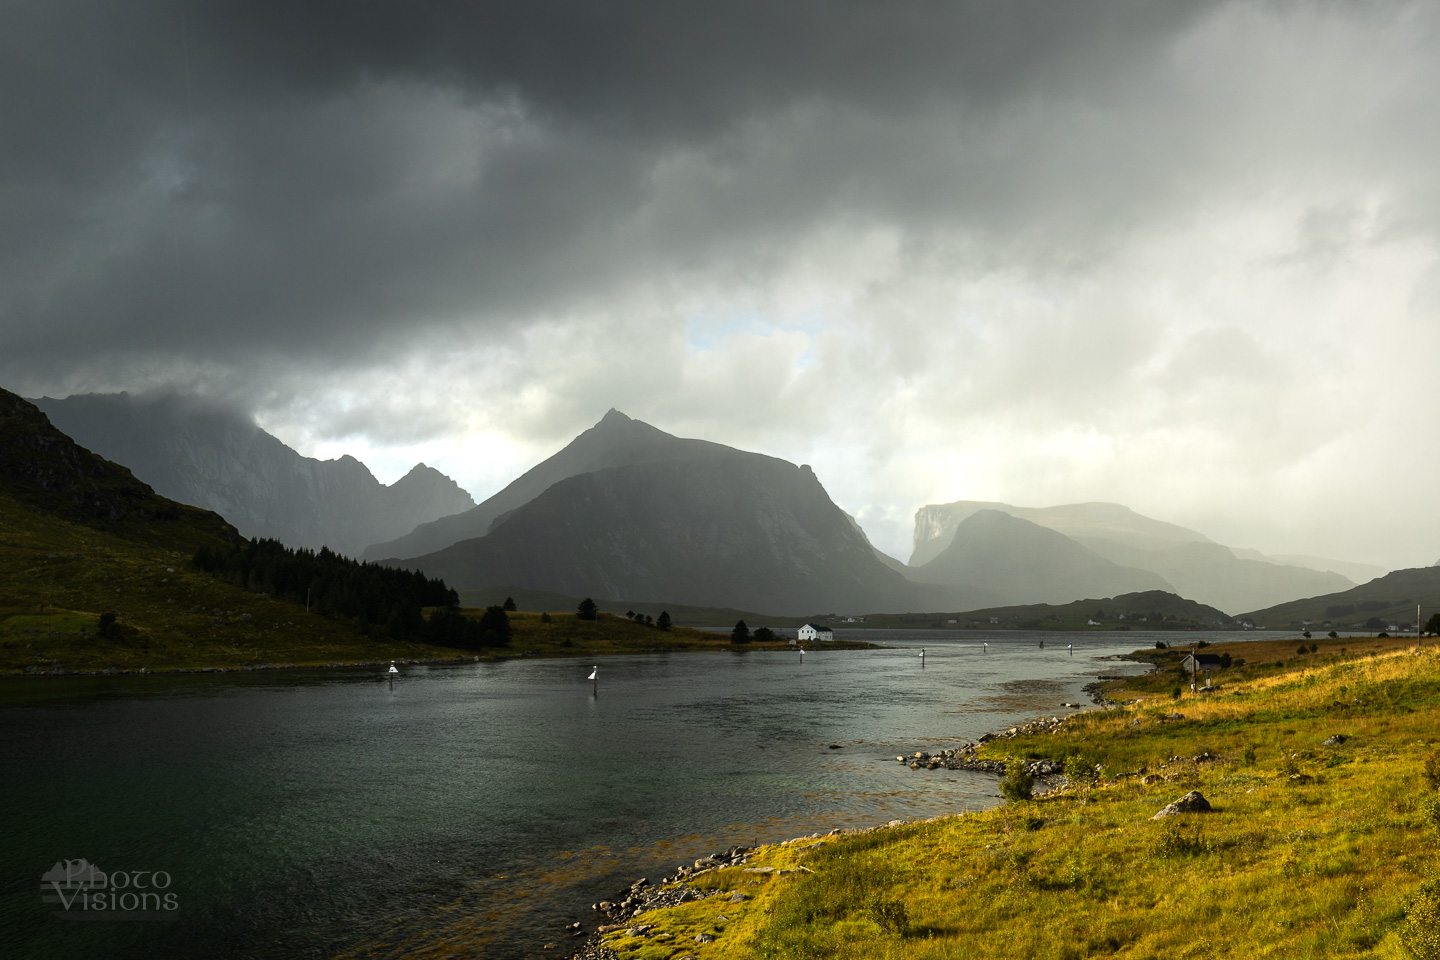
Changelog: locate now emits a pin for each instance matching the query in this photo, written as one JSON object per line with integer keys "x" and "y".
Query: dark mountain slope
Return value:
{"x": 711, "y": 526}
{"x": 49, "y": 473}
{"x": 615, "y": 441}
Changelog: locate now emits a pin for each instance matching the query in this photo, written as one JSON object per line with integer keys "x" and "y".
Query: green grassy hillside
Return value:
{"x": 1390, "y": 599}
{"x": 57, "y": 577}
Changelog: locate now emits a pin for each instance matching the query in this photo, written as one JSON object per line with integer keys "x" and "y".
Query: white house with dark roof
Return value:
{"x": 814, "y": 631}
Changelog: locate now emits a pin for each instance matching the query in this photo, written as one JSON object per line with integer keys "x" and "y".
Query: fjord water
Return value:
{"x": 474, "y": 810}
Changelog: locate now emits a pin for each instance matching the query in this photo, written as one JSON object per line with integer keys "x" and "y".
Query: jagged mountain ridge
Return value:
{"x": 684, "y": 521}
{"x": 1194, "y": 565}
{"x": 1024, "y": 563}
{"x": 214, "y": 458}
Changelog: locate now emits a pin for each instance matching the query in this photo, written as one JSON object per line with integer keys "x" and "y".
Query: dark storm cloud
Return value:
{"x": 310, "y": 177}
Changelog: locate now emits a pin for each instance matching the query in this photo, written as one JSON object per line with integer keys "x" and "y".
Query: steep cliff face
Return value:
{"x": 219, "y": 460}
{"x": 691, "y": 522}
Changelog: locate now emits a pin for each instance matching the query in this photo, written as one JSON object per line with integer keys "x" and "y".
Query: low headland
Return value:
{"x": 1290, "y": 809}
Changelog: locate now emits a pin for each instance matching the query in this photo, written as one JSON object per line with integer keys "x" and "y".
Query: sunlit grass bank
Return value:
{"x": 1312, "y": 850}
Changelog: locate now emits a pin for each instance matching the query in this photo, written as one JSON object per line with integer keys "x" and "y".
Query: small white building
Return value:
{"x": 813, "y": 631}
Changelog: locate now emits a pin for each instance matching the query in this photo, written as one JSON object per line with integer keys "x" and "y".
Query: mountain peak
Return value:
{"x": 613, "y": 417}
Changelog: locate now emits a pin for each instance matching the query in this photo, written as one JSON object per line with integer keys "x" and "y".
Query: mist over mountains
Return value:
{"x": 1190, "y": 563}
{"x": 1020, "y": 562}
{"x": 211, "y": 457}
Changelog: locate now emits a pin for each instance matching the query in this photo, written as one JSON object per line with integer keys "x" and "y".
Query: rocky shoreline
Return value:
{"x": 640, "y": 896}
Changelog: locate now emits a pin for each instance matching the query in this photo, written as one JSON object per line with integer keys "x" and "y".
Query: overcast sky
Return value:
{"x": 1182, "y": 256}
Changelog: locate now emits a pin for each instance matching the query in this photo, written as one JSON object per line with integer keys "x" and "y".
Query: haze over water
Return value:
{"x": 481, "y": 807}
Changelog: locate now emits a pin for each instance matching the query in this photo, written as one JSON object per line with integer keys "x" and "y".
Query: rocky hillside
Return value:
{"x": 50, "y": 474}
{"x": 214, "y": 458}
{"x": 678, "y": 520}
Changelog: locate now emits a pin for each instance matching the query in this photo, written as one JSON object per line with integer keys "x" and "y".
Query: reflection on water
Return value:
{"x": 476, "y": 809}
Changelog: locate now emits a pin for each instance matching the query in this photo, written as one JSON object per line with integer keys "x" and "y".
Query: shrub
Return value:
{"x": 1421, "y": 932}
{"x": 1018, "y": 785}
{"x": 892, "y": 915}
{"x": 1247, "y": 756}
{"x": 1175, "y": 692}
{"x": 495, "y": 627}
{"x": 1176, "y": 839}
{"x": 1432, "y": 770}
{"x": 741, "y": 633}
{"x": 544, "y": 618}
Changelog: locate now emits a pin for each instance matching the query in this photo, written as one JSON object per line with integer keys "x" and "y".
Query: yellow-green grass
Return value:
{"x": 1311, "y": 851}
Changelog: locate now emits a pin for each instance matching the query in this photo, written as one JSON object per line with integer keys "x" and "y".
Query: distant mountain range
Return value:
{"x": 629, "y": 513}
{"x": 205, "y": 455}
{"x": 1141, "y": 551}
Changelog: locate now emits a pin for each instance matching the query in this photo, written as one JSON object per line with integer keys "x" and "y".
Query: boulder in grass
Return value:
{"x": 1192, "y": 802}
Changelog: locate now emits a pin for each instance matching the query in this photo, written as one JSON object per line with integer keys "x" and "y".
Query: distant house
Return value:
{"x": 811, "y": 631}
{"x": 1200, "y": 662}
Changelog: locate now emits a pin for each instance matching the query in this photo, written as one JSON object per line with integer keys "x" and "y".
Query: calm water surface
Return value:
{"x": 475, "y": 810}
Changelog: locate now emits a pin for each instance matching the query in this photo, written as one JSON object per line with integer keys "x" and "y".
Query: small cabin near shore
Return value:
{"x": 1200, "y": 662}
{"x": 814, "y": 631}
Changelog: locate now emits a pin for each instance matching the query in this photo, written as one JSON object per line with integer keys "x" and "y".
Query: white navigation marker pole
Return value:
{"x": 393, "y": 672}
{"x": 1071, "y": 648}
{"x": 986, "y": 645}
{"x": 595, "y": 679}
{"x": 922, "y": 658}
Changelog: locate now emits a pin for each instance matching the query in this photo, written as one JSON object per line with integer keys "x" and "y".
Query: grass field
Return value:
{"x": 1312, "y": 849}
